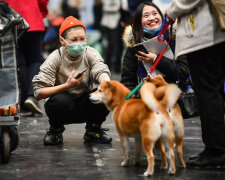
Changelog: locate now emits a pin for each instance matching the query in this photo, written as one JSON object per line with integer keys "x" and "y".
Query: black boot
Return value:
{"x": 53, "y": 136}
{"x": 95, "y": 133}
{"x": 196, "y": 156}
{"x": 207, "y": 160}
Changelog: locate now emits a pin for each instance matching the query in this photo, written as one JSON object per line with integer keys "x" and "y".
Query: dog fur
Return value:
{"x": 147, "y": 119}
{"x": 174, "y": 113}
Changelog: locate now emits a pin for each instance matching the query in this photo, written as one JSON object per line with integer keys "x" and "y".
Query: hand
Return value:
{"x": 169, "y": 18}
{"x": 106, "y": 78}
{"x": 150, "y": 57}
{"x": 72, "y": 82}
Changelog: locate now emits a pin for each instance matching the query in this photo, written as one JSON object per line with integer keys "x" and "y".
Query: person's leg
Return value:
{"x": 207, "y": 72}
{"x": 60, "y": 109}
{"x": 119, "y": 49}
{"x": 22, "y": 78}
{"x": 33, "y": 56}
{"x": 109, "y": 34}
{"x": 114, "y": 49}
{"x": 94, "y": 115}
{"x": 32, "y": 51}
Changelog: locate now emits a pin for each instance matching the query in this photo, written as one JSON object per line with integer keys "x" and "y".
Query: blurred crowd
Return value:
{"x": 105, "y": 21}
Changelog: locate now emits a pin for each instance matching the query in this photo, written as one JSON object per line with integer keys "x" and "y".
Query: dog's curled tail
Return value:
{"x": 169, "y": 94}
{"x": 165, "y": 95}
{"x": 173, "y": 95}
{"x": 148, "y": 97}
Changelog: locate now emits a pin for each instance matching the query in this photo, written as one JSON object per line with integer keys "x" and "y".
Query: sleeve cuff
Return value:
{"x": 104, "y": 76}
{"x": 36, "y": 93}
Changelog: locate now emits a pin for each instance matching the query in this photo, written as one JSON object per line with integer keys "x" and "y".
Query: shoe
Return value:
{"x": 25, "y": 112}
{"x": 204, "y": 152}
{"x": 97, "y": 134}
{"x": 53, "y": 136}
{"x": 207, "y": 152}
{"x": 204, "y": 161}
{"x": 32, "y": 104}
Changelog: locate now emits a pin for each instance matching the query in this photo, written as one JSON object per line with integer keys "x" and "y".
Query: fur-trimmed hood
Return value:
{"x": 128, "y": 37}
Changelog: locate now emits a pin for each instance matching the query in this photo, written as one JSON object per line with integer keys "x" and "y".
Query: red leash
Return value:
{"x": 161, "y": 38}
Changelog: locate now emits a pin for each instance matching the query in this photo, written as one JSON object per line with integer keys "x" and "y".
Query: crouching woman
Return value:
{"x": 68, "y": 97}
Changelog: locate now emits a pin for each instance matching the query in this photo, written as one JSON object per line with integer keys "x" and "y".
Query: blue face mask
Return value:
{"x": 75, "y": 49}
{"x": 152, "y": 31}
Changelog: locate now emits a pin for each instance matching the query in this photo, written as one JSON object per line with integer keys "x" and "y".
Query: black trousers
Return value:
{"x": 114, "y": 48}
{"x": 29, "y": 60}
{"x": 207, "y": 68}
{"x": 62, "y": 109}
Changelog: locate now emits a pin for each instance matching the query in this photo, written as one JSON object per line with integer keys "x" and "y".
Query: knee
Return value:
{"x": 59, "y": 102}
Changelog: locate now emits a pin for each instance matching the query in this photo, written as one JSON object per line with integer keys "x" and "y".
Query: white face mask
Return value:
{"x": 75, "y": 49}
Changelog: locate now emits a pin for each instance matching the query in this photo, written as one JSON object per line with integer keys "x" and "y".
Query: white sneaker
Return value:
{"x": 32, "y": 104}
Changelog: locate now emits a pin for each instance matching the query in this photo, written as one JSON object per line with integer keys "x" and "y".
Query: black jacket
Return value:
{"x": 166, "y": 66}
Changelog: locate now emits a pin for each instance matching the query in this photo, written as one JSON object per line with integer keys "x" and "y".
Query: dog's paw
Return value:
{"x": 148, "y": 173}
{"x": 183, "y": 165}
{"x": 171, "y": 171}
{"x": 125, "y": 163}
{"x": 181, "y": 161}
{"x": 164, "y": 166}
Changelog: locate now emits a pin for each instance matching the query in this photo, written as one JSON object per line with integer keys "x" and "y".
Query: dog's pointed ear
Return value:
{"x": 108, "y": 85}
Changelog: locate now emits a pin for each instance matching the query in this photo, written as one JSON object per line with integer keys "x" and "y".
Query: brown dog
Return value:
{"x": 174, "y": 113}
{"x": 146, "y": 119}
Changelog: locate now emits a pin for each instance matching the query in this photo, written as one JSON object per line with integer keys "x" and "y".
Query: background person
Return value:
{"x": 199, "y": 38}
{"x": 29, "y": 52}
{"x": 69, "y": 97}
{"x": 146, "y": 23}
{"x": 112, "y": 29}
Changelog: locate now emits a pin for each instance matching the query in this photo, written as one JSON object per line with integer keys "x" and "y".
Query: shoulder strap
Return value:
{"x": 59, "y": 52}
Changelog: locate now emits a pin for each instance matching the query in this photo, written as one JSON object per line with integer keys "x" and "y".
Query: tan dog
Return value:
{"x": 146, "y": 119}
{"x": 174, "y": 113}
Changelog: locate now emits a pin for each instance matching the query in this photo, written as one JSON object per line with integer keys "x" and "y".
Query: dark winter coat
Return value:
{"x": 167, "y": 66}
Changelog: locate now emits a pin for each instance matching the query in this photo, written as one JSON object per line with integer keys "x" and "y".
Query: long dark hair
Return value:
{"x": 137, "y": 29}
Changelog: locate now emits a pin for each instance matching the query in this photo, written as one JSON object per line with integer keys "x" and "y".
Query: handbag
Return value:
{"x": 187, "y": 100}
{"x": 218, "y": 8}
{"x": 188, "y": 103}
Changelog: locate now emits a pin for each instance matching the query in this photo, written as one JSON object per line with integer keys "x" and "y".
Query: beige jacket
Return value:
{"x": 57, "y": 68}
{"x": 197, "y": 27}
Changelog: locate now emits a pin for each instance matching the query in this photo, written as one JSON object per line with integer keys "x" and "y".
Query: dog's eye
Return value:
{"x": 100, "y": 90}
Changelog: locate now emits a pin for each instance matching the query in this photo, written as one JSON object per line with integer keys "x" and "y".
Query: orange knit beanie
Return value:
{"x": 70, "y": 22}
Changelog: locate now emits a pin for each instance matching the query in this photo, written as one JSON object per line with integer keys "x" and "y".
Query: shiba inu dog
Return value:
{"x": 174, "y": 113}
{"x": 146, "y": 119}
